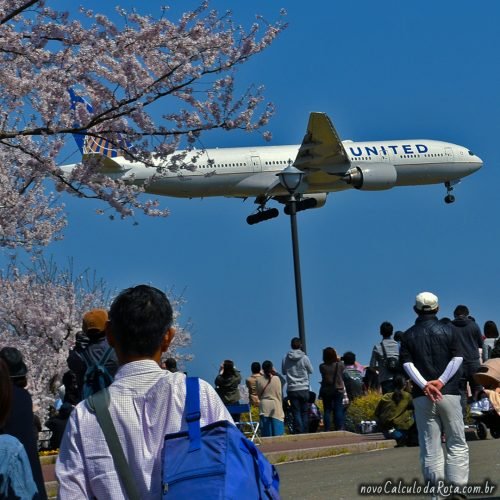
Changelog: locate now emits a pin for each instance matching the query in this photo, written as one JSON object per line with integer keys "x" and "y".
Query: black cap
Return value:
{"x": 14, "y": 360}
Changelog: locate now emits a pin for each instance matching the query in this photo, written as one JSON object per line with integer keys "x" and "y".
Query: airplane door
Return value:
{"x": 448, "y": 152}
{"x": 383, "y": 156}
{"x": 256, "y": 164}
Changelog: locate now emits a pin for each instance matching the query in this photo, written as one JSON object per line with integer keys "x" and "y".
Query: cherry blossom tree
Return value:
{"x": 129, "y": 68}
{"x": 41, "y": 309}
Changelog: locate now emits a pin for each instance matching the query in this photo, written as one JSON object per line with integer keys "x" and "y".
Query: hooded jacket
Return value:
{"x": 469, "y": 338}
{"x": 296, "y": 367}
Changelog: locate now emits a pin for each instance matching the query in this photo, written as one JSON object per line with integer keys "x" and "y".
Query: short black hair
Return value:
{"x": 461, "y": 310}
{"x": 398, "y": 336}
{"x": 296, "y": 343}
{"x": 349, "y": 358}
{"x": 139, "y": 318}
{"x": 490, "y": 330}
{"x": 171, "y": 364}
{"x": 255, "y": 367}
{"x": 386, "y": 329}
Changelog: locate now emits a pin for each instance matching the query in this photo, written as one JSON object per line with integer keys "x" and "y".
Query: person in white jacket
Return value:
{"x": 297, "y": 368}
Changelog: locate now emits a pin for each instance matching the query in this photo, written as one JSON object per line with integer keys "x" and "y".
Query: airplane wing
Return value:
{"x": 321, "y": 148}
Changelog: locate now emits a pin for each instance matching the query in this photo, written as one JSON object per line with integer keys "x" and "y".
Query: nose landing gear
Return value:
{"x": 449, "y": 198}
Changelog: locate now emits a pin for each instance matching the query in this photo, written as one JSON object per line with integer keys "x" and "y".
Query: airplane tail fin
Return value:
{"x": 90, "y": 145}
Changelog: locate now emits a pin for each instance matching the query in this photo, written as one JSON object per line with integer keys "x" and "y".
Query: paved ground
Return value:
{"x": 340, "y": 477}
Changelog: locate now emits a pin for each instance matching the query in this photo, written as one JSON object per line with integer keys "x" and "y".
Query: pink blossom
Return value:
{"x": 127, "y": 67}
{"x": 41, "y": 309}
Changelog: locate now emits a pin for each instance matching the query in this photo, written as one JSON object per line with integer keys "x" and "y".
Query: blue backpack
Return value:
{"x": 96, "y": 376}
{"x": 215, "y": 462}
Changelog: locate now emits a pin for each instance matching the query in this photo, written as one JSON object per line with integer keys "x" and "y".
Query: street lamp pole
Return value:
{"x": 290, "y": 179}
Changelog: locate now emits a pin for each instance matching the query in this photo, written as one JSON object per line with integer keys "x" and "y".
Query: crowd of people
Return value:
{"x": 426, "y": 377}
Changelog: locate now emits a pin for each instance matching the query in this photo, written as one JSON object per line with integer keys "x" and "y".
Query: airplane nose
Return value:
{"x": 478, "y": 164}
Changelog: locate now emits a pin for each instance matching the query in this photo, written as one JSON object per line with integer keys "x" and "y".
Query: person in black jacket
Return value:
{"x": 432, "y": 357}
{"x": 21, "y": 422}
{"x": 57, "y": 423}
{"x": 470, "y": 340}
{"x": 227, "y": 385}
{"x": 93, "y": 326}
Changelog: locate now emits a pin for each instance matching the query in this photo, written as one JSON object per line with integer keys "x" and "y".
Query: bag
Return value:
{"x": 96, "y": 376}
{"x": 215, "y": 462}
{"x": 353, "y": 382}
{"x": 391, "y": 363}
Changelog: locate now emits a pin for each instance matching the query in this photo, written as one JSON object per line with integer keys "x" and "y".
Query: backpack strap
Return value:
{"x": 99, "y": 403}
{"x": 193, "y": 415}
{"x": 90, "y": 359}
{"x": 384, "y": 351}
{"x": 105, "y": 356}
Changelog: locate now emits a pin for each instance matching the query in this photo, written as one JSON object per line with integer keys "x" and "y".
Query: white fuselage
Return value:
{"x": 245, "y": 172}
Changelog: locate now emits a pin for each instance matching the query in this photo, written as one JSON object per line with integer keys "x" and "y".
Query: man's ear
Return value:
{"x": 109, "y": 334}
{"x": 167, "y": 339}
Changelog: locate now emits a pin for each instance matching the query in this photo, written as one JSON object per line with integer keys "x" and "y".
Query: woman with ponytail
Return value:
{"x": 271, "y": 402}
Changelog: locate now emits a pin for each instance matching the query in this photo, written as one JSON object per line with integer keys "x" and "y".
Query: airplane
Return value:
{"x": 328, "y": 164}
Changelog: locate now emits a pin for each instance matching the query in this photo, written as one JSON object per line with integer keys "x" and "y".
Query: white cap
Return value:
{"x": 426, "y": 301}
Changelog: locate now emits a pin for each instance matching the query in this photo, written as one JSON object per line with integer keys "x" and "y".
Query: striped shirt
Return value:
{"x": 377, "y": 360}
{"x": 146, "y": 403}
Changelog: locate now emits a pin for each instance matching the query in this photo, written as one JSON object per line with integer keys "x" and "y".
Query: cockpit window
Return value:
{"x": 471, "y": 153}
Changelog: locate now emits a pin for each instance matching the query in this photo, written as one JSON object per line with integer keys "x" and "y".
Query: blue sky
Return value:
{"x": 380, "y": 70}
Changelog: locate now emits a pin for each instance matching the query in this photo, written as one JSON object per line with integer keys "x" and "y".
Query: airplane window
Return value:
{"x": 471, "y": 153}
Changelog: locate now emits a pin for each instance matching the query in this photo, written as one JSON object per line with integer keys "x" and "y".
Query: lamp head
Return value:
{"x": 290, "y": 178}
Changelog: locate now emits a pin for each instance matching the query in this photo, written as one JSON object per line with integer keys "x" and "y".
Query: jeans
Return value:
{"x": 334, "y": 402}
{"x": 300, "y": 410}
{"x": 451, "y": 463}
{"x": 270, "y": 426}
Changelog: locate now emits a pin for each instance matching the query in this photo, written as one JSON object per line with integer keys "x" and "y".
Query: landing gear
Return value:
{"x": 449, "y": 198}
{"x": 263, "y": 213}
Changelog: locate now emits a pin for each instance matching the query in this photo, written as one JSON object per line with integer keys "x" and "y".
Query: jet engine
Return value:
{"x": 374, "y": 177}
{"x": 319, "y": 200}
